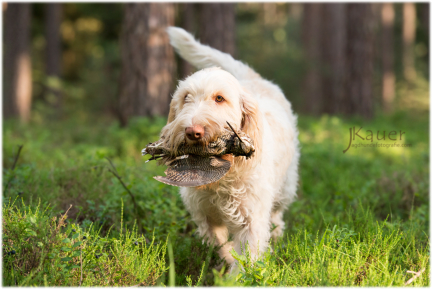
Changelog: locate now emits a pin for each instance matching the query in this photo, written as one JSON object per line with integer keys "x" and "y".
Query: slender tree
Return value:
{"x": 147, "y": 60}
{"x": 217, "y": 26}
{"x": 160, "y": 60}
{"x": 133, "y": 79}
{"x": 269, "y": 12}
{"x": 311, "y": 32}
{"x": 53, "y": 16}
{"x": 424, "y": 9}
{"x": 333, "y": 44}
{"x": 188, "y": 22}
{"x": 359, "y": 55}
{"x": 388, "y": 81}
{"x": 17, "y": 78}
{"x": 409, "y": 29}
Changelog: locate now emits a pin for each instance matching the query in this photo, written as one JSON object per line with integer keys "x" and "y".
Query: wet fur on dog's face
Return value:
{"x": 209, "y": 98}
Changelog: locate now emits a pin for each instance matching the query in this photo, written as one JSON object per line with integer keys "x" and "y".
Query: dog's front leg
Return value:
{"x": 254, "y": 236}
{"x": 210, "y": 225}
{"x": 216, "y": 233}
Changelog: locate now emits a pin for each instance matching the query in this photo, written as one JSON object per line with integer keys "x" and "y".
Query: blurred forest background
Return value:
{"x": 65, "y": 60}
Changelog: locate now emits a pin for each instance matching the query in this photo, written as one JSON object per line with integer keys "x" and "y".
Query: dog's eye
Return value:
{"x": 219, "y": 98}
{"x": 186, "y": 98}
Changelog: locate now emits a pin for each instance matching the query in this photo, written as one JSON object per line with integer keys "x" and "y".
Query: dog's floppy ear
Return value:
{"x": 251, "y": 120}
{"x": 171, "y": 114}
{"x": 168, "y": 129}
{"x": 172, "y": 110}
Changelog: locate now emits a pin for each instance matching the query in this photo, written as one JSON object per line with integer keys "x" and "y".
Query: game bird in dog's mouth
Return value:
{"x": 198, "y": 164}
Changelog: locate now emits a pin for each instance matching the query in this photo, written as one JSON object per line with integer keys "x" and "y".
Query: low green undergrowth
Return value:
{"x": 361, "y": 217}
{"x": 51, "y": 251}
{"x": 361, "y": 252}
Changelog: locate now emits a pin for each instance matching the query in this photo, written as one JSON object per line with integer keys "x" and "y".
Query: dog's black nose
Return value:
{"x": 194, "y": 132}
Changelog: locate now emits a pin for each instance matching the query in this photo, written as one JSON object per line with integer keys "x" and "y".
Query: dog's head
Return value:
{"x": 202, "y": 105}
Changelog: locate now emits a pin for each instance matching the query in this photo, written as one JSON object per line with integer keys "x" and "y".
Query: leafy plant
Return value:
{"x": 52, "y": 251}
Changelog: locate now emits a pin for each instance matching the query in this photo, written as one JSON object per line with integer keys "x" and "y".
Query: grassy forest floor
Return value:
{"x": 361, "y": 218}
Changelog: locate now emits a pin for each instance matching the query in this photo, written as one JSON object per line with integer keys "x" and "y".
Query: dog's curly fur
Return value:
{"x": 255, "y": 192}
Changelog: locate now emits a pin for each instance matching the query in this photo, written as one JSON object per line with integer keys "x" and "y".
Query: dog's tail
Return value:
{"x": 202, "y": 56}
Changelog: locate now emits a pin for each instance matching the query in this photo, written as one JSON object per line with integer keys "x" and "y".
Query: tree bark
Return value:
{"x": 358, "y": 96}
{"x": 311, "y": 34}
{"x": 188, "y": 22}
{"x": 53, "y": 16}
{"x": 161, "y": 62}
{"x": 424, "y": 17}
{"x": 409, "y": 29}
{"x": 17, "y": 78}
{"x": 270, "y": 13}
{"x": 133, "y": 79}
{"x": 147, "y": 60}
{"x": 217, "y": 26}
{"x": 333, "y": 48}
{"x": 388, "y": 81}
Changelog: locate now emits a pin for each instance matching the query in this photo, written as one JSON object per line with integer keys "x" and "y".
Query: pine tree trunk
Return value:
{"x": 53, "y": 16}
{"x": 217, "y": 26}
{"x": 424, "y": 10}
{"x": 270, "y": 13}
{"x": 409, "y": 29}
{"x": 17, "y": 78}
{"x": 147, "y": 60}
{"x": 161, "y": 62}
{"x": 311, "y": 34}
{"x": 358, "y": 98}
{"x": 188, "y": 22}
{"x": 133, "y": 79}
{"x": 388, "y": 81}
{"x": 333, "y": 48}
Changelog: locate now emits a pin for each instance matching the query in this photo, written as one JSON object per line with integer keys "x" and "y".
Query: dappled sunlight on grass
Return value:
{"x": 413, "y": 96}
{"x": 396, "y": 154}
{"x": 334, "y": 133}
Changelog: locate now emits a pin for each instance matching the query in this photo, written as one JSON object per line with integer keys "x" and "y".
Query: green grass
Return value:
{"x": 361, "y": 218}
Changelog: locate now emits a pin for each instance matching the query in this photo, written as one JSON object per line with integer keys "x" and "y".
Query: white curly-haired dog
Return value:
{"x": 255, "y": 192}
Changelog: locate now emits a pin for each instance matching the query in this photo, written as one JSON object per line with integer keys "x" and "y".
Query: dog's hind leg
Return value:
{"x": 283, "y": 200}
{"x": 278, "y": 224}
